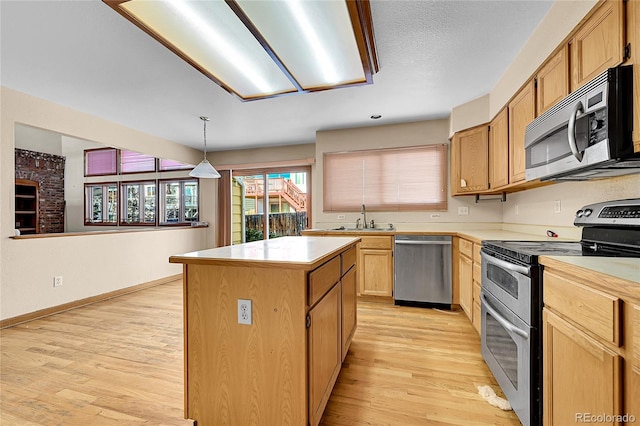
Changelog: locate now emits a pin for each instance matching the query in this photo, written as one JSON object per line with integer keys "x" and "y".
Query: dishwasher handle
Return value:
{"x": 424, "y": 243}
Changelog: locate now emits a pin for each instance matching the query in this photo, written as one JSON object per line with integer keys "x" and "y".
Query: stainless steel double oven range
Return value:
{"x": 511, "y": 297}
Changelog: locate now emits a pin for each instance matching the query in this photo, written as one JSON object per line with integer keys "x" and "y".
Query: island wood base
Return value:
{"x": 281, "y": 368}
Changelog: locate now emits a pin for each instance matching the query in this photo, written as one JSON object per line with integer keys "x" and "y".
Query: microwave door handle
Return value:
{"x": 502, "y": 320}
{"x": 571, "y": 130}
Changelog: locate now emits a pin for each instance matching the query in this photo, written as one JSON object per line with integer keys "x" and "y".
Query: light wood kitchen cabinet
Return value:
{"x": 349, "y": 305}
{"x": 591, "y": 345}
{"x": 522, "y": 111}
{"x": 375, "y": 263}
{"x": 633, "y": 37}
{"x": 499, "y": 150}
{"x": 325, "y": 351}
{"x": 598, "y": 43}
{"x": 477, "y": 288}
{"x": 465, "y": 276}
{"x": 470, "y": 160}
{"x": 582, "y": 375}
{"x": 552, "y": 80}
{"x": 286, "y": 360}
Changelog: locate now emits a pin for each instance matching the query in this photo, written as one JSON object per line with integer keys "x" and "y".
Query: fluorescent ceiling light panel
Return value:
{"x": 258, "y": 49}
{"x": 314, "y": 39}
{"x": 210, "y": 34}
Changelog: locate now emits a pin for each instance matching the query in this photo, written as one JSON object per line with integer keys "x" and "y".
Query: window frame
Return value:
{"x": 182, "y": 202}
{"x": 124, "y": 205}
{"x": 122, "y": 155}
{"x": 88, "y": 152}
{"x": 383, "y": 180}
{"x": 88, "y": 207}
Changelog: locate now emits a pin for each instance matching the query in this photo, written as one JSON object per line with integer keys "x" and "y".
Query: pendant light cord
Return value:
{"x": 204, "y": 121}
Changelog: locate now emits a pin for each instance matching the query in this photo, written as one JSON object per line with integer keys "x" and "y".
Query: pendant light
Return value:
{"x": 205, "y": 169}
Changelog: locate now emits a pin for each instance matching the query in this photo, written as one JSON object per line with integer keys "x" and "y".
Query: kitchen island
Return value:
{"x": 267, "y": 325}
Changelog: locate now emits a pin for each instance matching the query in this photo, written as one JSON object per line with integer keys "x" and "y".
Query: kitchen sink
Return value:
{"x": 342, "y": 228}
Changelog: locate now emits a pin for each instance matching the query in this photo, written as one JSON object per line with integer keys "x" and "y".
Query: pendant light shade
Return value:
{"x": 205, "y": 169}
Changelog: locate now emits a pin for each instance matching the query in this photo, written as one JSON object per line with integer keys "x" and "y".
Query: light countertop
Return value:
{"x": 290, "y": 252}
{"x": 624, "y": 268}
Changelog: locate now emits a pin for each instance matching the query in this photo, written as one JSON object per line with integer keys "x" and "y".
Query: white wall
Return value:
{"x": 90, "y": 264}
{"x": 391, "y": 136}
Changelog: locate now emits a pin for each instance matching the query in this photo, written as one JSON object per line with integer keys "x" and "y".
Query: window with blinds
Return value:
{"x": 398, "y": 179}
{"x": 134, "y": 162}
{"x": 100, "y": 162}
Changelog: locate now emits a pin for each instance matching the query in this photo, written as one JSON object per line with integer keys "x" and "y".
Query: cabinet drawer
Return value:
{"x": 323, "y": 278}
{"x": 477, "y": 273}
{"x": 476, "y": 253}
{"x": 348, "y": 260}
{"x": 466, "y": 248}
{"x": 595, "y": 311}
{"x": 376, "y": 242}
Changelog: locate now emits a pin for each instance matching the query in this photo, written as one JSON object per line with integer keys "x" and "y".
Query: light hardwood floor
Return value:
{"x": 120, "y": 362}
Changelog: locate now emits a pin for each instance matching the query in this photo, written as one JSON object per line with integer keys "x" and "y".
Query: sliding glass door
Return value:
{"x": 269, "y": 204}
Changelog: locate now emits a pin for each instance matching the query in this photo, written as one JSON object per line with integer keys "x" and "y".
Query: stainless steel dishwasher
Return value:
{"x": 422, "y": 270}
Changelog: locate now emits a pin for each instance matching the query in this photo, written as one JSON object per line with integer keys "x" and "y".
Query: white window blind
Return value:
{"x": 100, "y": 162}
{"x": 168, "y": 165}
{"x": 134, "y": 162}
{"x": 398, "y": 179}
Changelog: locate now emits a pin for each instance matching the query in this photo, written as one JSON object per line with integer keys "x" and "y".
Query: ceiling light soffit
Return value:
{"x": 261, "y": 49}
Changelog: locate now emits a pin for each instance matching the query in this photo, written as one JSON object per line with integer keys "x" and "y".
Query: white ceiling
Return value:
{"x": 433, "y": 55}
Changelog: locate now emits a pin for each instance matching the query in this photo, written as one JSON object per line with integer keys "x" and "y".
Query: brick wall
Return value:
{"x": 48, "y": 171}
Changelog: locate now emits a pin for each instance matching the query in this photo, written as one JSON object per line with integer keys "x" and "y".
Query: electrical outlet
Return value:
{"x": 435, "y": 215}
{"x": 57, "y": 281}
{"x": 517, "y": 210}
{"x": 341, "y": 217}
{"x": 557, "y": 206}
{"x": 463, "y": 211}
{"x": 244, "y": 311}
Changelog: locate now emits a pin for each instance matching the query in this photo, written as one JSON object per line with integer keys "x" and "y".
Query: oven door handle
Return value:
{"x": 502, "y": 320}
{"x": 506, "y": 265}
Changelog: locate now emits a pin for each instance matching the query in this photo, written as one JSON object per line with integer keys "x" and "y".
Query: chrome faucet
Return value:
{"x": 364, "y": 212}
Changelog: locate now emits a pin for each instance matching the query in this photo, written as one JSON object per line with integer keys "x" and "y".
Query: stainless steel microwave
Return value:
{"x": 588, "y": 134}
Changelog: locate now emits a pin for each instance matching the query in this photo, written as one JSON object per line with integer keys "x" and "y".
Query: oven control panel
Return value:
{"x": 612, "y": 213}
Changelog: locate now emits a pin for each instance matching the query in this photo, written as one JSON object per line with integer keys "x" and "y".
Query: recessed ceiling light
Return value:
{"x": 375, "y": 116}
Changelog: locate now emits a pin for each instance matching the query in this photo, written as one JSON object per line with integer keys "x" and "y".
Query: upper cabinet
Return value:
{"x": 470, "y": 161}
{"x": 522, "y": 111}
{"x": 598, "y": 44}
{"x": 553, "y": 80}
{"x": 633, "y": 37}
{"x": 496, "y": 162}
{"x": 499, "y": 150}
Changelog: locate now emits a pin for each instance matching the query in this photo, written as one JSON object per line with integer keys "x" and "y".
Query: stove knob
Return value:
{"x": 579, "y": 213}
{"x": 588, "y": 212}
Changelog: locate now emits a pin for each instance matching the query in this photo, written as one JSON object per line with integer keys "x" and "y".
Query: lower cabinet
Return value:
{"x": 376, "y": 266}
{"x": 465, "y": 276}
{"x": 349, "y": 309}
{"x": 582, "y": 376}
{"x": 591, "y": 347}
{"x": 325, "y": 351}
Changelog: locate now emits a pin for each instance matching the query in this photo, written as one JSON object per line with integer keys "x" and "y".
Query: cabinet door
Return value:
{"x": 553, "y": 80}
{"x": 633, "y": 37}
{"x": 521, "y": 113}
{"x": 470, "y": 164}
{"x": 581, "y": 375}
{"x": 376, "y": 272}
{"x": 325, "y": 352}
{"x": 598, "y": 43}
{"x": 349, "y": 309}
{"x": 466, "y": 285}
{"x": 499, "y": 150}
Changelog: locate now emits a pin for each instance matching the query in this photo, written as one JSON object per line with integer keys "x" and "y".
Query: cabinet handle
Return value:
{"x": 463, "y": 183}
{"x": 308, "y": 321}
